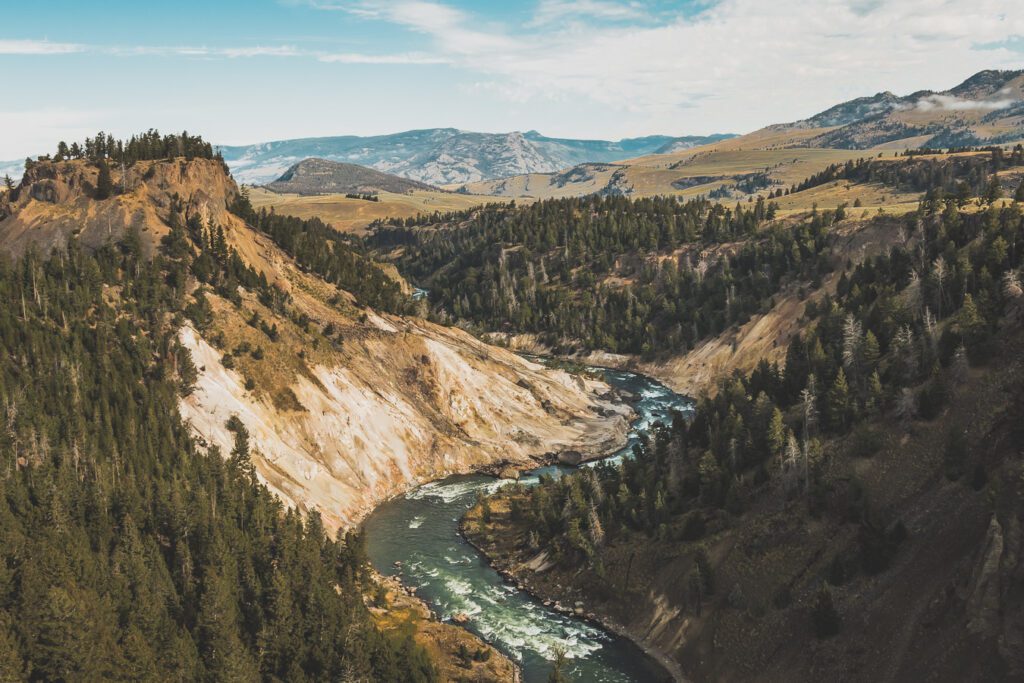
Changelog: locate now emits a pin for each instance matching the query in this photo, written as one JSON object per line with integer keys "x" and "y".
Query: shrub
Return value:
{"x": 865, "y": 441}
{"x": 692, "y": 527}
{"x": 932, "y": 399}
{"x": 824, "y": 617}
{"x": 783, "y": 598}
{"x": 954, "y": 457}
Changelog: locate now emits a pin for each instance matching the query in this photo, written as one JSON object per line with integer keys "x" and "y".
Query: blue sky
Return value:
{"x": 241, "y": 72}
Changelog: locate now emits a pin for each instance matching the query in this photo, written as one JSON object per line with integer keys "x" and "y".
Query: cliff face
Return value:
{"x": 410, "y": 403}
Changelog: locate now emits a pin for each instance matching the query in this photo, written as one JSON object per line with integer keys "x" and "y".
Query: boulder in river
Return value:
{"x": 570, "y": 458}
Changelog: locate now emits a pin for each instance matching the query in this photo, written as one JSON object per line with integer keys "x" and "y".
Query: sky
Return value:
{"x": 241, "y": 72}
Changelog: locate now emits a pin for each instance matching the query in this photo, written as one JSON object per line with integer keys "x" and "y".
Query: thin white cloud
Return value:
{"x": 200, "y": 51}
{"x": 550, "y": 11}
{"x": 952, "y": 103}
{"x": 460, "y": 32}
{"x": 259, "y": 51}
{"x": 359, "y": 58}
{"x": 32, "y": 47}
{"x": 37, "y": 47}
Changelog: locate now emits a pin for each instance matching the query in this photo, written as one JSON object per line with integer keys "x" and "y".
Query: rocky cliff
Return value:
{"x": 56, "y": 200}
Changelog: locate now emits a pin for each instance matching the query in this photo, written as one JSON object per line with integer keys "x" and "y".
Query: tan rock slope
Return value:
{"x": 345, "y": 407}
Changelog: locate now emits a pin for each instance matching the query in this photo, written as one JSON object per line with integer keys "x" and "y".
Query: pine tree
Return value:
{"x": 852, "y": 340}
{"x": 12, "y": 667}
{"x": 104, "y": 183}
{"x": 594, "y": 525}
{"x": 969, "y": 323}
{"x": 870, "y": 352}
{"x": 876, "y": 394}
{"x": 839, "y": 402}
{"x": 993, "y": 191}
{"x": 1012, "y": 288}
{"x": 776, "y": 432}
{"x": 224, "y": 655}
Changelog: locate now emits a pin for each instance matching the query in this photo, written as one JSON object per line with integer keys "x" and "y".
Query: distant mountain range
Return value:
{"x": 987, "y": 108}
{"x": 321, "y": 176}
{"x": 444, "y": 156}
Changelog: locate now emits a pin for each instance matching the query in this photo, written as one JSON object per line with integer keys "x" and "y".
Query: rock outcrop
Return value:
{"x": 56, "y": 200}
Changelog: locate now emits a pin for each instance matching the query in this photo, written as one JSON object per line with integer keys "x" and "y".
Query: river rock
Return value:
{"x": 570, "y": 457}
{"x": 508, "y": 472}
{"x": 460, "y": 618}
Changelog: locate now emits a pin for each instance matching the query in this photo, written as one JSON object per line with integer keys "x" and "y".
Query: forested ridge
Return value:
{"x": 582, "y": 271}
{"x": 961, "y": 176}
{"x": 129, "y": 551}
{"x": 897, "y": 339}
{"x": 104, "y": 149}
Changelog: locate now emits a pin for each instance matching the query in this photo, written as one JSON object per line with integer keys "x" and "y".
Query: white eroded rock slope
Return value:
{"x": 367, "y": 434}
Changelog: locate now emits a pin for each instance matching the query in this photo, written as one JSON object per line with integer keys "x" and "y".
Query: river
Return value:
{"x": 420, "y": 531}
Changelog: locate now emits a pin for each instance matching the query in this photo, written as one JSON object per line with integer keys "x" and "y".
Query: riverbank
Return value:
{"x": 458, "y": 654}
{"x": 522, "y": 573}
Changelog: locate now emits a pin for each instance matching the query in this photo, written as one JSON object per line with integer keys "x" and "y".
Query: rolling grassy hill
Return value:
{"x": 354, "y": 215}
{"x": 322, "y": 176}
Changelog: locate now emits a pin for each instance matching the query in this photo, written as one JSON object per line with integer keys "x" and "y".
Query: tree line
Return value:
{"x": 637, "y": 276}
{"x": 141, "y": 147}
{"x": 962, "y": 177}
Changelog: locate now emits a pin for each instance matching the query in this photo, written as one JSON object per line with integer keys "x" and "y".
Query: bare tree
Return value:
{"x": 853, "y": 336}
{"x": 1011, "y": 285}
{"x": 809, "y": 398}
{"x": 906, "y": 404}
{"x": 939, "y": 270}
